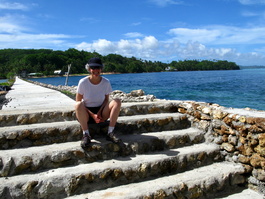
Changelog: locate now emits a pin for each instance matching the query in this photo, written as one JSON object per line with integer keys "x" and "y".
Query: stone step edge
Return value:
{"x": 124, "y": 105}
{"x": 160, "y": 106}
{"x": 130, "y": 119}
{"x": 7, "y": 119}
{"x": 191, "y": 184}
{"x": 197, "y": 183}
{"x": 100, "y": 175}
{"x": 58, "y": 132}
{"x": 11, "y": 118}
{"x": 17, "y": 161}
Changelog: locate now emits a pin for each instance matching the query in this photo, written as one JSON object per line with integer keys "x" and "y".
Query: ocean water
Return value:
{"x": 237, "y": 88}
{"x": 3, "y": 80}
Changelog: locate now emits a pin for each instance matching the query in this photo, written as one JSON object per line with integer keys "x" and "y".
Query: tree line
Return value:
{"x": 46, "y": 61}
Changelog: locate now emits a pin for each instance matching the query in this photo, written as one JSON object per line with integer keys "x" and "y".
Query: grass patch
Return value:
{"x": 68, "y": 93}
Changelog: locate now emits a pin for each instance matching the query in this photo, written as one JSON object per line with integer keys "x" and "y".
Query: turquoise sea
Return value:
{"x": 237, "y": 88}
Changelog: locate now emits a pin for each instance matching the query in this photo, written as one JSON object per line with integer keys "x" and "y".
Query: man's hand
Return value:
{"x": 96, "y": 117}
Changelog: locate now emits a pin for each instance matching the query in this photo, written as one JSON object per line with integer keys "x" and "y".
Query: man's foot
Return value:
{"x": 86, "y": 140}
{"x": 111, "y": 137}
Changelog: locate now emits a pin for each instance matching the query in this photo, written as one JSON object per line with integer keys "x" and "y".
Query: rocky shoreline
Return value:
{"x": 3, "y": 99}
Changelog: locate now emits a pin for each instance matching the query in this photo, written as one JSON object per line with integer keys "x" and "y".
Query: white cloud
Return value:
{"x": 124, "y": 46}
{"x": 145, "y": 48}
{"x": 136, "y": 23}
{"x": 196, "y": 50}
{"x": 163, "y": 3}
{"x": 23, "y": 41}
{"x": 216, "y": 35}
{"x": 101, "y": 45}
{"x": 90, "y": 20}
{"x": 12, "y": 6}
{"x": 251, "y": 2}
{"x": 260, "y": 50}
{"x": 150, "y": 48}
{"x": 202, "y": 35}
{"x": 14, "y": 34}
{"x": 250, "y": 14}
{"x": 9, "y": 24}
{"x": 8, "y": 28}
{"x": 150, "y": 42}
{"x": 133, "y": 34}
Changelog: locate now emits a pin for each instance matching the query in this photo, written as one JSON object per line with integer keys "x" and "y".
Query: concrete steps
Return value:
{"x": 162, "y": 156}
{"x": 18, "y": 161}
{"x": 203, "y": 182}
{"x": 62, "y": 182}
{"x": 12, "y": 118}
{"x": 57, "y": 132}
{"x": 22, "y": 117}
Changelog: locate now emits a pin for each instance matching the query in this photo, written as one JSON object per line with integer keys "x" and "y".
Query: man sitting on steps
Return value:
{"x": 92, "y": 102}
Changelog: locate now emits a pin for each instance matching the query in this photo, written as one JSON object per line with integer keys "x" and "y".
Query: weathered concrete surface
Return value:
{"x": 57, "y": 132}
{"x": 191, "y": 184}
{"x": 27, "y": 97}
{"x": 46, "y": 157}
{"x": 90, "y": 177}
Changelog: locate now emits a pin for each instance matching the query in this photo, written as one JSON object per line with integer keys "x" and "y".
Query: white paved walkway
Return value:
{"x": 28, "y": 97}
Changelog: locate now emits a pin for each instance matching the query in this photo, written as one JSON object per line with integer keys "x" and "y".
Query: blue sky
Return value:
{"x": 156, "y": 30}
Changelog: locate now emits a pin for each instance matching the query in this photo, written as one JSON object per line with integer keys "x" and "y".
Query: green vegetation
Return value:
{"x": 46, "y": 61}
{"x": 191, "y": 65}
{"x": 9, "y": 82}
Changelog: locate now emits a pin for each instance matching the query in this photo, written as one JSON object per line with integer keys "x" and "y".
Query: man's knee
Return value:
{"x": 117, "y": 102}
{"x": 79, "y": 105}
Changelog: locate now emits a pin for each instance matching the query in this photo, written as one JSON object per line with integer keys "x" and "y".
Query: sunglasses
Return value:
{"x": 95, "y": 67}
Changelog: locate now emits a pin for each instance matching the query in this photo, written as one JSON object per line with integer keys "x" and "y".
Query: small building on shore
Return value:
{"x": 58, "y": 72}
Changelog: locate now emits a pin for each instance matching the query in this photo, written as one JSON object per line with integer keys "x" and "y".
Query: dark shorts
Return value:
{"x": 93, "y": 110}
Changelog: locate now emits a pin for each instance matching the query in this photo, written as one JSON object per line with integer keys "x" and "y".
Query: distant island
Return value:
{"x": 45, "y": 62}
{"x": 251, "y": 67}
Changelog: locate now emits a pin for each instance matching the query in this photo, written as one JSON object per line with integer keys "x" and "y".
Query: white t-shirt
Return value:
{"x": 93, "y": 95}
